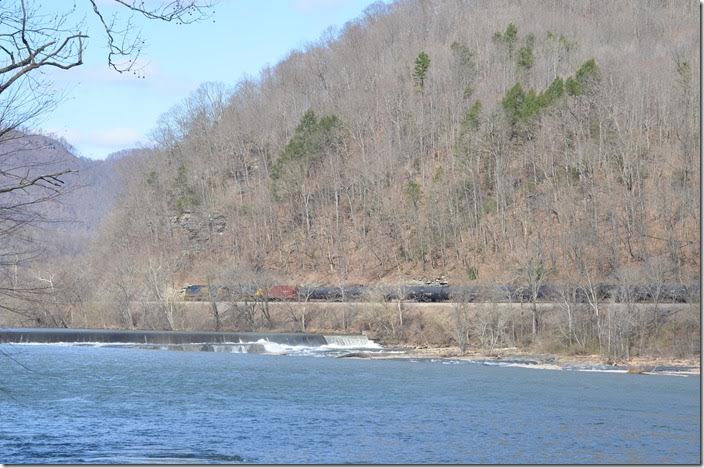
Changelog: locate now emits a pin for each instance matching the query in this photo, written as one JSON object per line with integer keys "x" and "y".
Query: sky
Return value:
{"x": 102, "y": 111}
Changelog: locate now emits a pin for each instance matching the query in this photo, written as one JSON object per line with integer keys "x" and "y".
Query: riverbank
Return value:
{"x": 514, "y": 357}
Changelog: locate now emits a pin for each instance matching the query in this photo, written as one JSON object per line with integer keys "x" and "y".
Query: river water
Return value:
{"x": 71, "y": 404}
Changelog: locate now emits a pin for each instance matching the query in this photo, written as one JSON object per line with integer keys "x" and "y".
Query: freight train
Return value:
{"x": 668, "y": 293}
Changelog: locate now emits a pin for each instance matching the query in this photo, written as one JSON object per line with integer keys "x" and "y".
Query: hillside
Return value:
{"x": 477, "y": 140}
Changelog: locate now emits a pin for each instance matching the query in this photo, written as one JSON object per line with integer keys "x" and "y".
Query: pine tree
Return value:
{"x": 421, "y": 69}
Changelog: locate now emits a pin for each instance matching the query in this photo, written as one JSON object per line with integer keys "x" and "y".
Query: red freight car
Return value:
{"x": 281, "y": 292}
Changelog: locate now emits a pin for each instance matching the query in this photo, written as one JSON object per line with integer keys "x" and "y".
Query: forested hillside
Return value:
{"x": 482, "y": 140}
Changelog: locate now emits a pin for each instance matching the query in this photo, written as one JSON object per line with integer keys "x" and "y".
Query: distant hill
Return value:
{"x": 66, "y": 222}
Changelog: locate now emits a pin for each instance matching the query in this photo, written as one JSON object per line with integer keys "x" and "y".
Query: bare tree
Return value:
{"x": 489, "y": 326}
{"x": 462, "y": 321}
{"x": 32, "y": 41}
{"x": 158, "y": 279}
{"x": 567, "y": 293}
{"x": 304, "y": 294}
{"x": 213, "y": 296}
{"x": 534, "y": 272}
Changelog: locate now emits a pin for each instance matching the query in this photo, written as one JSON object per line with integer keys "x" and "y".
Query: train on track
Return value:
{"x": 663, "y": 293}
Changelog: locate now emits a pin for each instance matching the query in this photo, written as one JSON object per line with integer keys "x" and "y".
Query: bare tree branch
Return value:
{"x": 51, "y": 179}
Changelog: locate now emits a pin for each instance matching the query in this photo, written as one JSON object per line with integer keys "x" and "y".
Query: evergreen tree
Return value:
{"x": 525, "y": 58}
{"x": 183, "y": 194}
{"x": 312, "y": 140}
{"x": 585, "y": 79}
{"x": 471, "y": 120}
{"x": 421, "y": 69}
{"x": 573, "y": 87}
{"x": 512, "y": 103}
{"x": 554, "y": 92}
{"x": 509, "y": 38}
{"x": 413, "y": 193}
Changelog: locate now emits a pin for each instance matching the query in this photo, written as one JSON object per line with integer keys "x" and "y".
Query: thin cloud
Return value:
{"x": 109, "y": 139}
{"x": 115, "y": 137}
{"x": 147, "y": 75}
{"x": 307, "y": 6}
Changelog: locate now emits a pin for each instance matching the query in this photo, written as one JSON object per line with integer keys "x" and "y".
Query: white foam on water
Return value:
{"x": 370, "y": 345}
{"x": 272, "y": 347}
{"x": 236, "y": 348}
{"x": 522, "y": 365}
{"x": 336, "y": 345}
{"x": 672, "y": 373}
{"x": 256, "y": 347}
{"x": 264, "y": 346}
{"x": 350, "y": 342}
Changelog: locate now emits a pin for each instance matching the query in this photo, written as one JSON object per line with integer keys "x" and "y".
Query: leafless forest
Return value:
{"x": 485, "y": 141}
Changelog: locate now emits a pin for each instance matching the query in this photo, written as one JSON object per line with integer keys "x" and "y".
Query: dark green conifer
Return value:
{"x": 421, "y": 69}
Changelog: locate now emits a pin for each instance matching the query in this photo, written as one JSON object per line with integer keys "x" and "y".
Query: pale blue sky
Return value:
{"x": 104, "y": 112}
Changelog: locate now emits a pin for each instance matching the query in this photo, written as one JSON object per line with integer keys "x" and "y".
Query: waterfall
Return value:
{"x": 350, "y": 341}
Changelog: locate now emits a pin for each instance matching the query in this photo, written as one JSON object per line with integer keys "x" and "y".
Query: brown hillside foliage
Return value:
{"x": 396, "y": 175}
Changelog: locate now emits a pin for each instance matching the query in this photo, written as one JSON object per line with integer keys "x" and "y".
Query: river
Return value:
{"x": 104, "y": 404}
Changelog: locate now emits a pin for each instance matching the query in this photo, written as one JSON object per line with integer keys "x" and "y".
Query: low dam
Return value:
{"x": 157, "y": 337}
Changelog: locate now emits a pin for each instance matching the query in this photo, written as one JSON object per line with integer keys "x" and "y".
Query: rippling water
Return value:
{"x": 121, "y": 405}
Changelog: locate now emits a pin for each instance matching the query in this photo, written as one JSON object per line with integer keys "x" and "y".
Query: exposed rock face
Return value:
{"x": 200, "y": 228}
{"x": 217, "y": 224}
